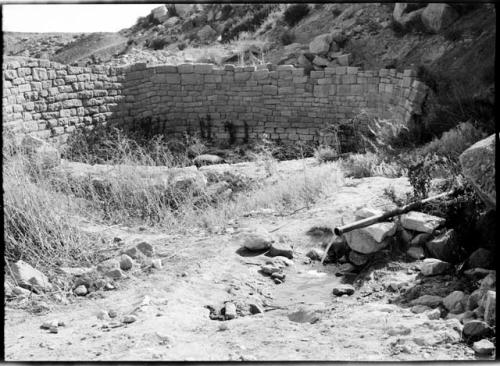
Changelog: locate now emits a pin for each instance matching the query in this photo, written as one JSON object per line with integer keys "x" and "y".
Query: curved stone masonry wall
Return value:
{"x": 50, "y": 100}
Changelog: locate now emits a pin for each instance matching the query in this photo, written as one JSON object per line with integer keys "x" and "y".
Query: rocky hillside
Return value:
{"x": 451, "y": 47}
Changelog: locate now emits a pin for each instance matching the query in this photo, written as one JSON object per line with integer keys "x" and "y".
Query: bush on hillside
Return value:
{"x": 295, "y": 13}
{"x": 287, "y": 37}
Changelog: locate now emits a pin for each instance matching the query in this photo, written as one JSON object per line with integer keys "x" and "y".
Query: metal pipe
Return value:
{"x": 384, "y": 216}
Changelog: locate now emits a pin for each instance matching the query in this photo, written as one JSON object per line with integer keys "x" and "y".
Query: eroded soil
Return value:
{"x": 302, "y": 319}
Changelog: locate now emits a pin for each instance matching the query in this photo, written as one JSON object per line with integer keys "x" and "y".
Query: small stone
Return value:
{"x": 483, "y": 347}
{"x": 127, "y": 319}
{"x": 108, "y": 265}
{"x": 489, "y": 282}
{"x": 481, "y": 258}
{"x": 418, "y": 309}
{"x": 416, "y": 253}
{"x": 269, "y": 269}
{"x": 61, "y": 323}
{"x": 223, "y": 327}
{"x": 80, "y": 291}
{"x": 126, "y": 262}
{"x": 112, "y": 314}
{"x": 428, "y": 300}
{"x": 19, "y": 291}
{"x": 455, "y": 302}
{"x": 463, "y": 317}
{"x": 343, "y": 290}
{"x": 156, "y": 263}
{"x": 229, "y": 311}
{"x": 477, "y": 273}
{"x": 27, "y": 276}
{"x": 315, "y": 254}
{"x": 358, "y": 259}
{"x": 434, "y": 314}
{"x": 346, "y": 268}
{"x": 53, "y": 330}
{"x": 476, "y": 329}
{"x": 255, "y": 308}
{"x": 133, "y": 252}
{"x": 114, "y": 274}
{"x": 474, "y": 299}
{"x": 433, "y": 266}
{"x": 280, "y": 249}
{"x": 406, "y": 236}
{"x": 277, "y": 281}
{"x": 49, "y": 324}
{"x": 444, "y": 247}
{"x": 109, "y": 286}
{"x": 280, "y": 260}
{"x": 145, "y": 248}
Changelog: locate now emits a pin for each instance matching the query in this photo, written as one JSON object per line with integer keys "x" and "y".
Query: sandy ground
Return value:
{"x": 302, "y": 320}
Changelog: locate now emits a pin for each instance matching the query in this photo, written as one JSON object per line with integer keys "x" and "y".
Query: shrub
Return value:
{"x": 295, "y": 13}
{"x": 157, "y": 43}
{"x": 369, "y": 165}
{"x": 325, "y": 154}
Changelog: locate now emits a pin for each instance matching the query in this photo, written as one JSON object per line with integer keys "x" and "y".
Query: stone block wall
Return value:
{"x": 277, "y": 102}
{"x": 50, "y": 100}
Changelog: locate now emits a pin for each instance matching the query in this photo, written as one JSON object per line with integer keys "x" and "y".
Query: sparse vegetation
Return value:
{"x": 295, "y": 13}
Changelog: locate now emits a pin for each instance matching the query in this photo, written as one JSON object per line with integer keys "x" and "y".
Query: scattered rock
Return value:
{"x": 405, "y": 235}
{"x": 280, "y": 249}
{"x": 444, "y": 247}
{"x": 76, "y": 271}
{"x": 490, "y": 304}
{"x": 132, "y": 252}
{"x": 476, "y": 329}
{"x": 145, "y": 248}
{"x": 418, "y": 309}
{"x": 481, "y": 258}
{"x": 126, "y": 262}
{"x": 277, "y": 281}
{"x": 399, "y": 330}
{"x": 489, "y": 282}
{"x": 343, "y": 290}
{"x": 463, "y": 317}
{"x": 53, "y": 330}
{"x": 114, "y": 274}
{"x": 483, "y": 347}
{"x": 431, "y": 301}
{"x": 206, "y": 34}
{"x": 19, "y": 291}
{"x": 455, "y": 302}
{"x": 476, "y": 274}
{"x": 102, "y": 314}
{"x": 279, "y": 275}
{"x": 416, "y": 253}
{"x": 49, "y": 324}
{"x": 258, "y": 239}
{"x": 80, "y": 290}
{"x": 269, "y": 269}
{"x": 156, "y": 263}
{"x": 127, "y": 319}
{"x": 112, "y": 314}
{"x": 29, "y": 277}
{"x": 433, "y": 267}
{"x": 434, "y": 314}
{"x": 346, "y": 268}
{"x": 478, "y": 166}
{"x": 109, "y": 286}
{"x": 421, "y": 222}
{"x": 208, "y": 159}
{"x": 474, "y": 299}
{"x": 255, "y": 308}
{"x": 358, "y": 259}
{"x": 108, "y": 265}
{"x": 438, "y": 16}
{"x": 229, "y": 311}
{"x": 320, "y": 45}
{"x": 305, "y": 314}
{"x": 280, "y": 260}
{"x": 315, "y": 254}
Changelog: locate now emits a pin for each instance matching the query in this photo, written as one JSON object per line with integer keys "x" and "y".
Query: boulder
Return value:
{"x": 207, "y": 159}
{"x": 315, "y": 254}
{"x": 343, "y": 290}
{"x": 170, "y": 22}
{"x": 489, "y": 282}
{"x": 29, "y": 277}
{"x": 229, "y": 311}
{"x": 455, "y": 302}
{"x": 366, "y": 212}
{"x": 380, "y": 230}
{"x": 80, "y": 290}
{"x": 207, "y": 34}
{"x": 320, "y": 45}
{"x": 160, "y": 13}
{"x": 408, "y": 15}
{"x": 444, "y": 247}
{"x": 344, "y": 60}
{"x": 320, "y": 61}
{"x": 483, "y": 347}
{"x": 40, "y": 153}
{"x": 126, "y": 262}
{"x": 474, "y": 299}
{"x": 115, "y": 273}
{"x": 433, "y": 267}
{"x": 280, "y": 249}
{"x": 431, "y": 301}
{"x": 462, "y": 318}
{"x": 418, "y": 309}
{"x": 475, "y": 329}
{"x": 421, "y": 222}
{"x": 108, "y": 265}
{"x": 481, "y": 258}
{"x": 145, "y": 248}
{"x": 270, "y": 269}
{"x": 434, "y": 314}
{"x": 362, "y": 242}
{"x": 490, "y": 304}
{"x": 256, "y": 240}
{"x": 421, "y": 239}
{"x": 303, "y": 61}
{"x": 478, "y": 166}
{"x": 438, "y": 16}
{"x": 477, "y": 274}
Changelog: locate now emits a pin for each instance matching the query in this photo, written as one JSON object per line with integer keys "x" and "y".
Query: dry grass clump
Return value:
{"x": 371, "y": 165}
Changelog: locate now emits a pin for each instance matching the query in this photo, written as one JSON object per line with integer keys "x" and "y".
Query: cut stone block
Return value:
{"x": 421, "y": 222}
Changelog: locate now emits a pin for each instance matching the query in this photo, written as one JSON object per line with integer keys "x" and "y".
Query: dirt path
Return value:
{"x": 174, "y": 324}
